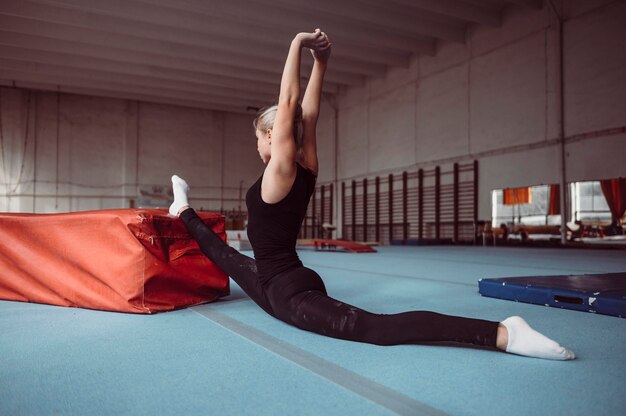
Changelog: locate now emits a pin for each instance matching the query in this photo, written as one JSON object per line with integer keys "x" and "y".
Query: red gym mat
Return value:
{"x": 127, "y": 260}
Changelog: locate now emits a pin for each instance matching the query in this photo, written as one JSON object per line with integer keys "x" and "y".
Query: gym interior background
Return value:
{"x": 451, "y": 122}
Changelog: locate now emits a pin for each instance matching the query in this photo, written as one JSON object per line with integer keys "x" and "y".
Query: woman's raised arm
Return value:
{"x": 281, "y": 169}
{"x": 311, "y": 104}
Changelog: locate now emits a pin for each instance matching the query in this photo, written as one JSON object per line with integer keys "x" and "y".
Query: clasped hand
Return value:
{"x": 319, "y": 44}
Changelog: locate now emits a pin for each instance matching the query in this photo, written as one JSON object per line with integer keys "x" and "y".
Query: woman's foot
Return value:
{"x": 515, "y": 336}
{"x": 180, "y": 188}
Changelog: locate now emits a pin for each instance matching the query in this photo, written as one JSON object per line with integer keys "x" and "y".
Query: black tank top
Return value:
{"x": 273, "y": 228}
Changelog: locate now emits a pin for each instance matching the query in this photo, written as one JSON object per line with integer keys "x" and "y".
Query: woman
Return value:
{"x": 278, "y": 282}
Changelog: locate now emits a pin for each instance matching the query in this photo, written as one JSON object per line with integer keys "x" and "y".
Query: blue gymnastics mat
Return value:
{"x": 596, "y": 293}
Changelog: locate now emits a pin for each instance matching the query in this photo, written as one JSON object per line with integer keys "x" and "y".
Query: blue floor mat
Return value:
{"x": 596, "y": 293}
{"x": 231, "y": 358}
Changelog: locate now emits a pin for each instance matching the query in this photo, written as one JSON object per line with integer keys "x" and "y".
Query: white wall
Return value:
{"x": 108, "y": 151}
{"x": 496, "y": 99}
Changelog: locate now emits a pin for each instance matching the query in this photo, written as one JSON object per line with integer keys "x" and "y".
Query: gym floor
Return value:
{"x": 230, "y": 358}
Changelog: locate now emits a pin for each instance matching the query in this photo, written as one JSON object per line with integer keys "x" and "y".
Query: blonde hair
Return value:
{"x": 265, "y": 120}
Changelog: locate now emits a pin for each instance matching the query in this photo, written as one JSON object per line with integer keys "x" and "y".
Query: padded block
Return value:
{"x": 597, "y": 293}
{"x": 127, "y": 260}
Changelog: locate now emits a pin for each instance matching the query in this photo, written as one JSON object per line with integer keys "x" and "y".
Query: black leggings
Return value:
{"x": 298, "y": 297}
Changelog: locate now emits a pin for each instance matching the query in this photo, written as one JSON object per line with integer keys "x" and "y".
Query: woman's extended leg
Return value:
{"x": 298, "y": 297}
{"x": 242, "y": 269}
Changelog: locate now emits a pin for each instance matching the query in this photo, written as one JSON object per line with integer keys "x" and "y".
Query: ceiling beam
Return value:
{"x": 456, "y": 9}
{"x": 246, "y": 26}
{"x": 376, "y": 19}
{"x": 114, "y": 68}
{"x": 531, "y": 4}
{"x": 220, "y": 53}
{"x": 269, "y": 73}
{"x": 125, "y": 91}
{"x": 99, "y": 39}
{"x": 493, "y": 5}
{"x": 80, "y": 50}
{"x": 93, "y": 92}
{"x": 154, "y": 83}
{"x": 272, "y": 46}
{"x": 302, "y": 17}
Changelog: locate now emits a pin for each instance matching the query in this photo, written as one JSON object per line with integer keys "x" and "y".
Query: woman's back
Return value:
{"x": 273, "y": 228}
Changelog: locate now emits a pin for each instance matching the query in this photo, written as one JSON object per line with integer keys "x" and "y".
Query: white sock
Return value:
{"x": 180, "y": 188}
{"x": 523, "y": 340}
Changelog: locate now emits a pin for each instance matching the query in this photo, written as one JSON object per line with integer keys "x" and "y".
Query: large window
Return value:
{"x": 587, "y": 204}
{"x": 532, "y": 213}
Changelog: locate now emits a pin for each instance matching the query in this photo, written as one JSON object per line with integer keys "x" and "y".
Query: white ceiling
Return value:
{"x": 218, "y": 54}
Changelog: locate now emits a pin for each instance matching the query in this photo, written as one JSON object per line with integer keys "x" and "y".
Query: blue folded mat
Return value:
{"x": 596, "y": 293}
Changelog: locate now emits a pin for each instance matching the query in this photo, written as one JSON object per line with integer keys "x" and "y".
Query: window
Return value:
{"x": 589, "y": 204}
{"x": 533, "y": 213}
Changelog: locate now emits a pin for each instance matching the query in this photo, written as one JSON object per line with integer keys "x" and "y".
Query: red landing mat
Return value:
{"x": 126, "y": 260}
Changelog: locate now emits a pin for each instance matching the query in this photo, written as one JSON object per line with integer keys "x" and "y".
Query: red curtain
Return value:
{"x": 554, "y": 207}
{"x": 614, "y": 191}
{"x": 515, "y": 196}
